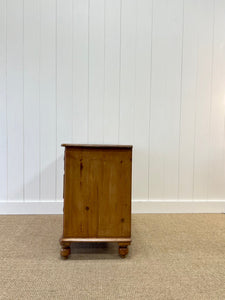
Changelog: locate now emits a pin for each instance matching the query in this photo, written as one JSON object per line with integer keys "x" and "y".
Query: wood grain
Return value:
{"x": 97, "y": 194}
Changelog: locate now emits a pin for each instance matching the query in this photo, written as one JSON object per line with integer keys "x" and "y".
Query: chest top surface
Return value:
{"x": 97, "y": 146}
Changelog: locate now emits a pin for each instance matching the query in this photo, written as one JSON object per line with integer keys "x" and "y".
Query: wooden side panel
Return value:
{"x": 115, "y": 209}
{"x": 97, "y": 197}
{"x": 75, "y": 196}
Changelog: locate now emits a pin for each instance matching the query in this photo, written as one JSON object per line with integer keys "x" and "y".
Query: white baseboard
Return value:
{"x": 31, "y": 208}
{"x": 188, "y": 206}
{"x": 138, "y": 206}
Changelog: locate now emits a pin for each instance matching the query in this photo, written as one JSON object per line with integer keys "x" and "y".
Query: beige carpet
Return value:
{"x": 172, "y": 256}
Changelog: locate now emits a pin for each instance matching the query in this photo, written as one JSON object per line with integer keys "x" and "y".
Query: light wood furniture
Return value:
{"x": 97, "y": 195}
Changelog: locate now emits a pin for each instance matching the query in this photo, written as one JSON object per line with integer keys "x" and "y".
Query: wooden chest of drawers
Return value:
{"x": 97, "y": 195}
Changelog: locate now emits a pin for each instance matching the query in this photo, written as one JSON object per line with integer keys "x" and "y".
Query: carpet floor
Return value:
{"x": 172, "y": 256}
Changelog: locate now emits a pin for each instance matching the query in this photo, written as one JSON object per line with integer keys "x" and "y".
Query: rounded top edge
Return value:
{"x": 96, "y": 146}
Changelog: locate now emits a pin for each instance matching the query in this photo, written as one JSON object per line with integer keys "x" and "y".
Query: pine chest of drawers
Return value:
{"x": 97, "y": 195}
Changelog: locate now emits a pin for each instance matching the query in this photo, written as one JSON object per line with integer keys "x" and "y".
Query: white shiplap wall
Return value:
{"x": 143, "y": 72}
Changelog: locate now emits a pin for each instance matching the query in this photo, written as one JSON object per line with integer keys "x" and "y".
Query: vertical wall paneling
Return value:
{"x": 203, "y": 98}
{"x": 15, "y": 99}
{"x": 145, "y": 72}
{"x": 216, "y": 180}
{"x": 64, "y": 84}
{"x": 31, "y": 99}
{"x": 48, "y": 100}
{"x": 80, "y": 70}
{"x": 158, "y": 99}
{"x": 188, "y": 99}
{"x": 96, "y": 70}
{"x": 165, "y": 98}
{"x": 3, "y": 104}
{"x": 142, "y": 97}
{"x": 127, "y": 72}
{"x": 174, "y": 48}
{"x": 112, "y": 71}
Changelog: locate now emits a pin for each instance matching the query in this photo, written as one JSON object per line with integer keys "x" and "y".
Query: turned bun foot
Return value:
{"x": 65, "y": 250}
{"x": 123, "y": 250}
